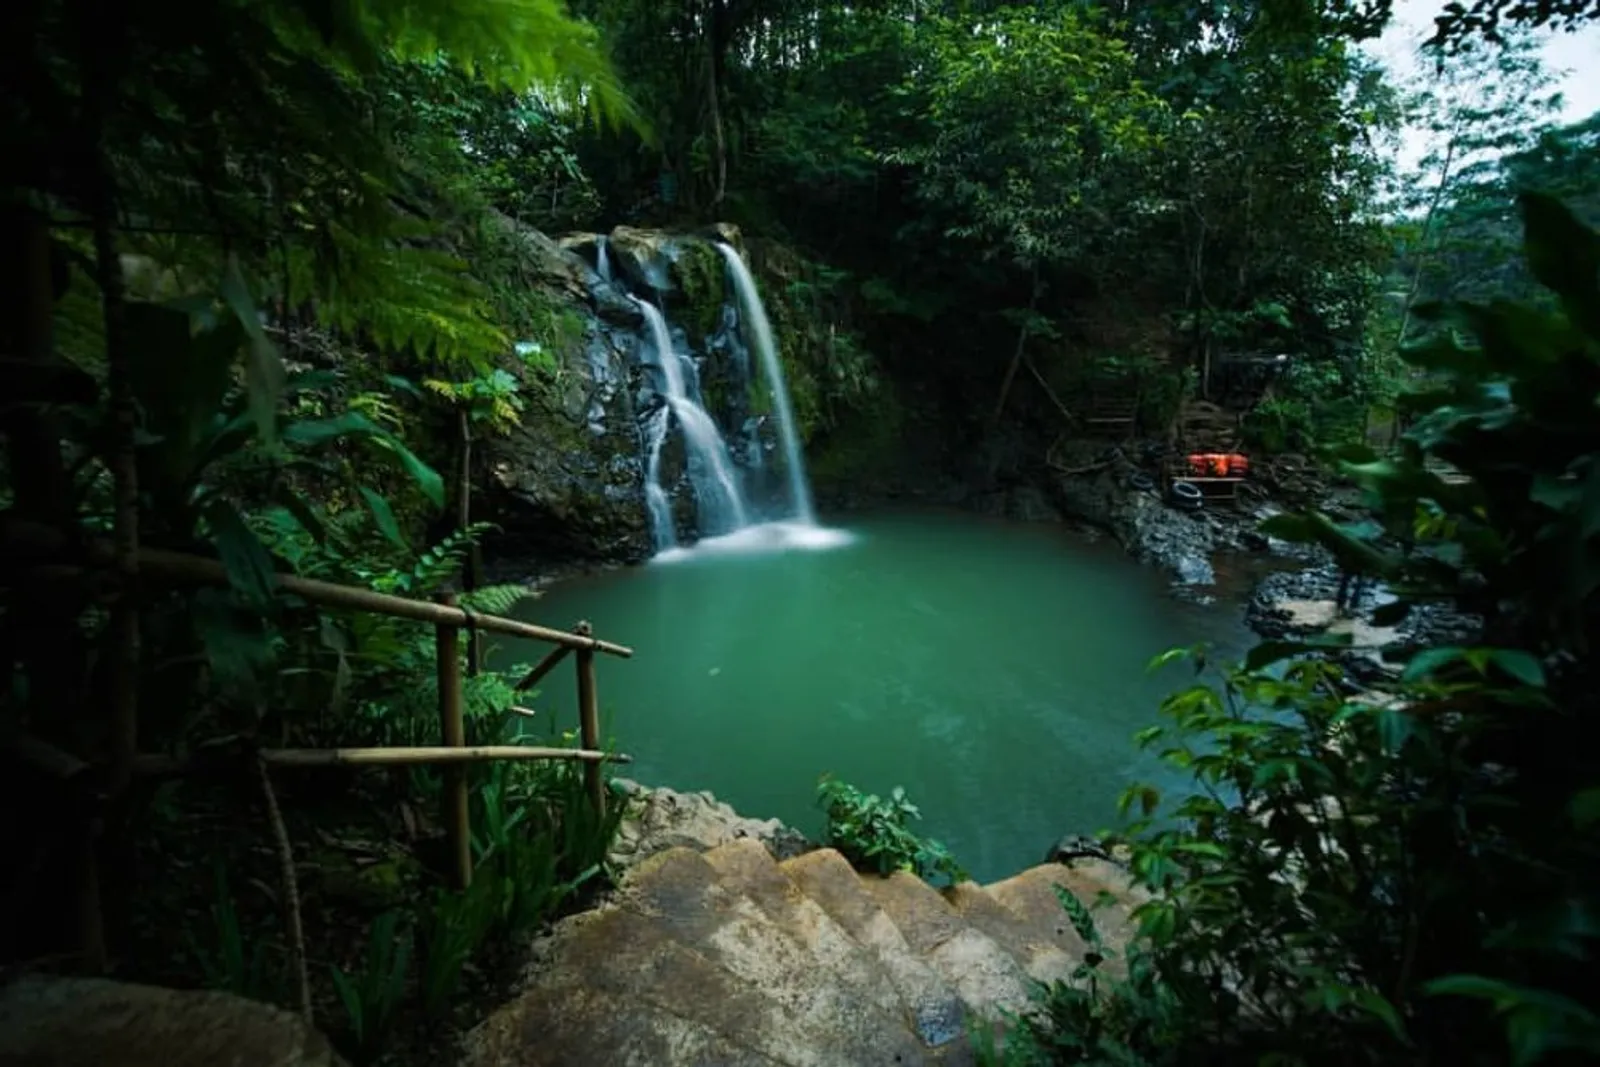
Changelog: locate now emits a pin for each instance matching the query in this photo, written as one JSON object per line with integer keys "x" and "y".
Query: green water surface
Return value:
{"x": 996, "y": 671}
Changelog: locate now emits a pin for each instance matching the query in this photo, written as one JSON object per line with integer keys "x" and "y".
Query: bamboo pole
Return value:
{"x": 589, "y": 723}
{"x": 152, "y": 766}
{"x": 543, "y": 667}
{"x": 453, "y": 730}
{"x": 329, "y": 757}
{"x": 179, "y": 567}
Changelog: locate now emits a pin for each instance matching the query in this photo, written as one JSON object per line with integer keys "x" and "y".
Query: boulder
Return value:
{"x": 91, "y": 1022}
{"x": 1179, "y": 542}
{"x": 1075, "y": 847}
{"x": 659, "y": 819}
{"x": 644, "y": 258}
{"x": 567, "y": 482}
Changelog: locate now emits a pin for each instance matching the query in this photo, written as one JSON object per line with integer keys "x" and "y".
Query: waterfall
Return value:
{"x": 721, "y": 504}
{"x": 663, "y": 531}
{"x": 761, "y": 337}
{"x": 602, "y": 259}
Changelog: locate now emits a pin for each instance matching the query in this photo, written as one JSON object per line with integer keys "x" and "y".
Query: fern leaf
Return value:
{"x": 499, "y": 599}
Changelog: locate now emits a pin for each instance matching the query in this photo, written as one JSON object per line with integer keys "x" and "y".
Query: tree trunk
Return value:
{"x": 1422, "y": 243}
{"x": 1016, "y": 355}
{"x": 716, "y": 41}
{"x": 1422, "y": 261}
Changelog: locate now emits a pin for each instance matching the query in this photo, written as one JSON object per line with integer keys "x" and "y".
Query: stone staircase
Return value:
{"x": 730, "y": 958}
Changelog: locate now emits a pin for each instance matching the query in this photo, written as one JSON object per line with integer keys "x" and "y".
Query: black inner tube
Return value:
{"x": 1186, "y": 494}
{"x": 1141, "y": 481}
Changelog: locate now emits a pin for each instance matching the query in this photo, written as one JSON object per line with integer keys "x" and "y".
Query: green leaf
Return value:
{"x": 355, "y": 424}
{"x": 1395, "y": 727}
{"x": 249, "y": 565}
{"x": 428, "y": 480}
{"x": 383, "y": 516}
{"x": 1171, "y": 655}
{"x": 1267, "y": 653}
{"x": 179, "y": 379}
{"x": 1562, "y": 252}
{"x": 302, "y": 511}
{"x": 1471, "y": 985}
{"x": 237, "y": 646}
{"x": 264, "y": 371}
{"x": 1585, "y": 807}
{"x": 1520, "y": 665}
{"x": 1429, "y": 661}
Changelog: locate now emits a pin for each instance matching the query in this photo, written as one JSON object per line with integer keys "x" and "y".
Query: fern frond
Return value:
{"x": 401, "y": 296}
{"x": 499, "y": 599}
{"x": 448, "y": 390}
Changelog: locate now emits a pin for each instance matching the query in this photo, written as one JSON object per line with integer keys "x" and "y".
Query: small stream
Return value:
{"x": 997, "y": 671}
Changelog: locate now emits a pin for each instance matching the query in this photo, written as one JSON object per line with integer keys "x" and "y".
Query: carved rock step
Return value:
{"x": 578, "y": 1024}
{"x": 687, "y": 973}
{"x": 1031, "y": 896}
{"x": 987, "y": 978}
{"x": 938, "y": 1012}
{"x": 747, "y": 868}
{"x": 1045, "y": 954}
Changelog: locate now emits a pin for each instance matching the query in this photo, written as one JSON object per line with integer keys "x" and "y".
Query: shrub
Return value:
{"x": 874, "y": 832}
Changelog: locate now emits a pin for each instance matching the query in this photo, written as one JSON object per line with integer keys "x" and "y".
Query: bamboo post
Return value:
{"x": 457, "y": 828}
{"x": 589, "y": 721}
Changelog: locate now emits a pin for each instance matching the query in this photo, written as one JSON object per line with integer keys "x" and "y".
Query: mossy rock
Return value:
{"x": 701, "y": 280}
{"x": 371, "y": 886}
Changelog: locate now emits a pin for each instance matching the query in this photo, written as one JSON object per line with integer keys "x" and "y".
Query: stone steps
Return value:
{"x": 729, "y": 958}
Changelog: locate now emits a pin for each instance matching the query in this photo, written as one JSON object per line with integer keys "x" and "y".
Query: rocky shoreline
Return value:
{"x": 660, "y": 818}
{"x": 1286, "y": 590}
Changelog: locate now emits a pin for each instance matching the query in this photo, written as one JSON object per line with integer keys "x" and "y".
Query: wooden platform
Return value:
{"x": 1205, "y": 428}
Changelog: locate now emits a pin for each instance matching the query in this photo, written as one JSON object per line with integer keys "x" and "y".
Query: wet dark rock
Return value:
{"x": 1076, "y": 846}
{"x": 1179, "y": 542}
{"x": 1425, "y": 624}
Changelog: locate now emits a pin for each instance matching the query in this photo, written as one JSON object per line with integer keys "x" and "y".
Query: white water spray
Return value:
{"x": 722, "y": 507}
{"x": 760, "y": 336}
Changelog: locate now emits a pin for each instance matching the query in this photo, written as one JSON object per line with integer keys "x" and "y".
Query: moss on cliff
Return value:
{"x": 699, "y": 275}
{"x": 866, "y": 445}
{"x": 830, "y": 375}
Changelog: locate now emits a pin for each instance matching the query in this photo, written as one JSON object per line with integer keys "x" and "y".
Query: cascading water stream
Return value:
{"x": 761, "y": 337}
{"x": 602, "y": 259}
{"x": 722, "y": 507}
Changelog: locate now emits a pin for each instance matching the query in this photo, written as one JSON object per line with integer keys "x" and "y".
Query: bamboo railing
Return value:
{"x": 44, "y": 549}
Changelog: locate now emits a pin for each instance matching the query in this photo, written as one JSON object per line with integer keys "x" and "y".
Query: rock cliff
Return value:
{"x": 568, "y": 482}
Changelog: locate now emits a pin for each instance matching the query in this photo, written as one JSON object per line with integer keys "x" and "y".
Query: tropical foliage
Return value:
{"x": 269, "y": 280}
{"x": 1403, "y": 870}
